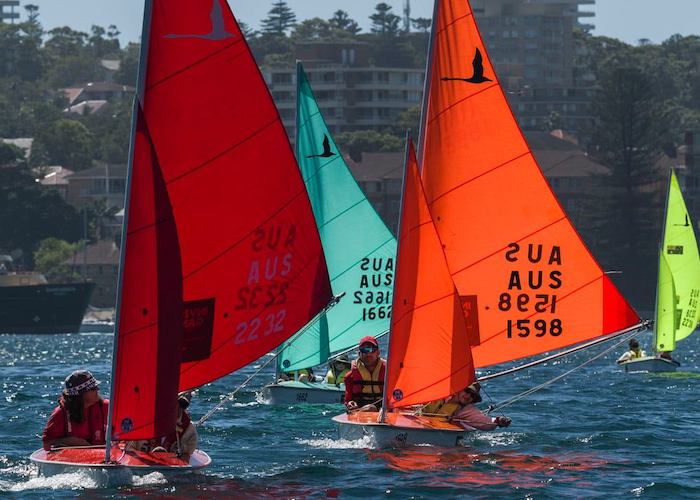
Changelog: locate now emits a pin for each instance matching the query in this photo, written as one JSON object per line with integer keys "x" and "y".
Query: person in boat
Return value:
{"x": 337, "y": 369}
{"x": 80, "y": 419}
{"x": 302, "y": 375}
{"x": 364, "y": 383}
{"x": 460, "y": 408}
{"x": 634, "y": 352}
{"x": 183, "y": 440}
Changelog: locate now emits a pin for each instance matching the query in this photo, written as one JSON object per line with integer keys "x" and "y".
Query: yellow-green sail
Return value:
{"x": 678, "y": 286}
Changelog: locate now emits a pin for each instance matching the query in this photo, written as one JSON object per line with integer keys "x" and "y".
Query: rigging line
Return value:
{"x": 524, "y": 394}
{"x": 632, "y": 329}
{"x": 230, "y": 396}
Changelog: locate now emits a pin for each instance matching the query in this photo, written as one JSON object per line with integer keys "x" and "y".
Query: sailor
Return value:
{"x": 469, "y": 416}
{"x": 80, "y": 419}
{"x": 364, "y": 383}
{"x": 634, "y": 352}
{"x": 183, "y": 440}
{"x": 337, "y": 369}
{"x": 302, "y": 375}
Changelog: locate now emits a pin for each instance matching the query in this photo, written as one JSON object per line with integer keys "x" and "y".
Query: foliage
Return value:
{"x": 385, "y": 22}
{"x": 50, "y": 257}
{"x": 279, "y": 19}
{"x": 368, "y": 141}
{"x": 68, "y": 143}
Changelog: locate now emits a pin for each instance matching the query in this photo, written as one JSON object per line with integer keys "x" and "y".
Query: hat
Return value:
{"x": 475, "y": 390}
{"x": 343, "y": 359}
{"x": 184, "y": 398}
{"x": 369, "y": 340}
{"x": 80, "y": 382}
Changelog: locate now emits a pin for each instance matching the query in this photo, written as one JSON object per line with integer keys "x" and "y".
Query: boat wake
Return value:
{"x": 68, "y": 481}
{"x": 338, "y": 444}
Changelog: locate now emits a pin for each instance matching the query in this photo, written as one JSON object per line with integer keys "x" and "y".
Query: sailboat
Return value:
{"x": 221, "y": 260}
{"x": 525, "y": 279}
{"x": 360, "y": 252}
{"x": 677, "y": 287}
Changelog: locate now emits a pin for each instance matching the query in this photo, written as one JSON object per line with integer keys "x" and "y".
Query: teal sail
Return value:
{"x": 360, "y": 250}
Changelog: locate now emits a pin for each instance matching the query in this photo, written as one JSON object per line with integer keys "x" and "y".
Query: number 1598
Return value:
{"x": 539, "y": 327}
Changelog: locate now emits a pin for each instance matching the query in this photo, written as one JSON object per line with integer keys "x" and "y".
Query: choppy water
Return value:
{"x": 598, "y": 433}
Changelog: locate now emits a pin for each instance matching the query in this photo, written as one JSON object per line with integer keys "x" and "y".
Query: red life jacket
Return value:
{"x": 364, "y": 387}
{"x": 93, "y": 429}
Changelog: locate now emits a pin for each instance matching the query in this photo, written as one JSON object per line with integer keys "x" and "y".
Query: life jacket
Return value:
{"x": 332, "y": 378}
{"x": 441, "y": 408}
{"x": 636, "y": 353}
{"x": 366, "y": 388}
{"x": 96, "y": 420}
{"x": 304, "y": 371}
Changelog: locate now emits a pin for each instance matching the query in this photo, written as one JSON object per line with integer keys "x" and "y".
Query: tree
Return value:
{"x": 50, "y": 257}
{"x": 341, "y": 21}
{"x": 312, "y": 29}
{"x": 422, "y": 24}
{"x": 384, "y": 22}
{"x": 65, "y": 42}
{"x": 129, "y": 65}
{"x": 632, "y": 129}
{"x": 30, "y": 212}
{"x": 279, "y": 19}
{"x": 368, "y": 141}
{"x": 68, "y": 143}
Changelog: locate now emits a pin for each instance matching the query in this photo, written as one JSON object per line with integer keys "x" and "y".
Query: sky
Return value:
{"x": 628, "y": 20}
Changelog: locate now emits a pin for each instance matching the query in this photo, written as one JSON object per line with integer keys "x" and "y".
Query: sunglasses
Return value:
{"x": 368, "y": 348}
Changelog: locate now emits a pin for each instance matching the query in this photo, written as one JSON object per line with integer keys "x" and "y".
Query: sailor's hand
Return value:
{"x": 351, "y": 405}
{"x": 503, "y": 421}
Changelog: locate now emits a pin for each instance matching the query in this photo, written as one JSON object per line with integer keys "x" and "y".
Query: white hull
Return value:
{"x": 649, "y": 364}
{"x": 292, "y": 392}
{"x": 118, "y": 472}
{"x": 405, "y": 430}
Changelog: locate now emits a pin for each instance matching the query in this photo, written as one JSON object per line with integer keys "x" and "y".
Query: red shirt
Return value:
{"x": 92, "y": 429}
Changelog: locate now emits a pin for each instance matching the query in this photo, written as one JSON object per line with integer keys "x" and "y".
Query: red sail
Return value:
{"x": 429, "y": 355}
{"x": 252, "y": 267}
{"x": 534, "y": 285}
{"x": 150, "y": 329}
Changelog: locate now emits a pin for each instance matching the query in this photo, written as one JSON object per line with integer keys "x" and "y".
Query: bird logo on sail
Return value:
{"x": 478, "y": 74}
{"x": 218, "y": 28}
{"x": 687, "y": 222}
{"x": 327, "y": 153}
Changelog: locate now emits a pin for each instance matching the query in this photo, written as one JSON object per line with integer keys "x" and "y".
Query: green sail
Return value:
{"x": 678, "y": 286}
{"x": 360, "y": 250}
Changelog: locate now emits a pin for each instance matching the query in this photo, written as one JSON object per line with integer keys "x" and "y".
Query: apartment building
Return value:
{"x": 533, "y": 44}
{"x": 7, "y": 11}
{"x": 351, "y": 93}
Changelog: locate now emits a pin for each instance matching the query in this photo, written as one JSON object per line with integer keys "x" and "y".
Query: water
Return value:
{"x": 597, "y": 433}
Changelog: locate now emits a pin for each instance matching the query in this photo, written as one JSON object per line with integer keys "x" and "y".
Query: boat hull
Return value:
{"x": 649, "y": 364}
{"x": 43, "y": 308}
{"x": 292, "y": 392}
{"x": 399, "y": 430}
{"x": 125, "y": 464}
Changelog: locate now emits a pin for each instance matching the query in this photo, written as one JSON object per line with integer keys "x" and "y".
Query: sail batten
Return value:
{"x": 509, "y": 245}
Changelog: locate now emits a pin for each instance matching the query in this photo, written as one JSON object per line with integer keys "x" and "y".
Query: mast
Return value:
{"x": 426, "y": 88}
{"x": 658, "y": 270}
{"x": 141, "y": 80}
{"x": 382, "y": 414}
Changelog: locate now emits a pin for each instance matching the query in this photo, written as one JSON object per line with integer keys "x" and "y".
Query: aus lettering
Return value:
{"x": 376, "y": 280}
{"x": 270, "y": 268}
{"x": 377, "y": 264}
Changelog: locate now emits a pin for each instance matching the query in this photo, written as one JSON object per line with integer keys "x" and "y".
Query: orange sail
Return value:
{"x": 508, "y": 243}
{"x": 429, "y": 356}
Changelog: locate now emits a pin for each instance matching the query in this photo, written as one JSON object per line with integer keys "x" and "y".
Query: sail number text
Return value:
{"x": 532, "y": 291}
